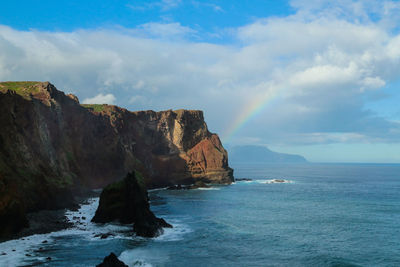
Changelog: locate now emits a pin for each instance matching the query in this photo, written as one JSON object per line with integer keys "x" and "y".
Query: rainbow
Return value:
{"x": 252, "y": 108}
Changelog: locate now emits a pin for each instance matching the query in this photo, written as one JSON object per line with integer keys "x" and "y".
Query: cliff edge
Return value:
{"x": 52, "y": 148}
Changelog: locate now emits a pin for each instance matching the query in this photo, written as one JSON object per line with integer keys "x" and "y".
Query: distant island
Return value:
{"x": 261, "y": 154}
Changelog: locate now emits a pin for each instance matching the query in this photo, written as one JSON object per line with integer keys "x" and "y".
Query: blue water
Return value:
{"x": 329, "y": 215}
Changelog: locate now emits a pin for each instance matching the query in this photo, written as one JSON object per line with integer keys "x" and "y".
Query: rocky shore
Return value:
{"x": 53, "y": 149}
{"x": 196, "y": 185}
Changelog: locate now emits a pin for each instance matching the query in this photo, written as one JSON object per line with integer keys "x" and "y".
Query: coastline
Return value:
{"x": 48, "y": 221}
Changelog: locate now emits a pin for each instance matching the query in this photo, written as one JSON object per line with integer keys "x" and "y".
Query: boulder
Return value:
{"x": 243, "y": 179}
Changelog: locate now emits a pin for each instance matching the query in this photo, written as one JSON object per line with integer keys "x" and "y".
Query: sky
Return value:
{"x": 317, "y": 78}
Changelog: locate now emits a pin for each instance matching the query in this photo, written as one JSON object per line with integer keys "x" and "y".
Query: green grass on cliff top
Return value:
{"x": 22, "y": 88}
{"x": 95, "y": 107}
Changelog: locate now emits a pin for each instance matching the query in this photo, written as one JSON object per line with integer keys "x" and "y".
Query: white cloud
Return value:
{"x": 320, "y": 76}
{"x": 373, "y": 83}
{"x": 321, "y": 68}
{"x": 100, "y": 99}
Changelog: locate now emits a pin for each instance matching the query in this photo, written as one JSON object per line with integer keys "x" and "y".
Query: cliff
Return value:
{"x": 52, "y": 148}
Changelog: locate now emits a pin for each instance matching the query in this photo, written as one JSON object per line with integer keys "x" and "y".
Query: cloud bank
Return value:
{"x": 100, "y": 99}
{"x": 324, "y": 64}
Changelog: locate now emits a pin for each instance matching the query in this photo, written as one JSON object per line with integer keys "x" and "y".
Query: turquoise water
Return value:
{"x": 328, "y": 215}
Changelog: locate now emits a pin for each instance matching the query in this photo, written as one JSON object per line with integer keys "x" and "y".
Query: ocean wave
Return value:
{"x": 29, "y": 250}
{"x": 208, "y": 188}
{"x": 22, "y": 251}
{"x": 274, "y": 181}
{"x": 140, "y": 257}
{"x": 93, "y": 231}
{"x": 176, "y": 233}
{"x": 157, "y": 189}
{"x": 265, "y": 181}
{"x": 145, "y": 257}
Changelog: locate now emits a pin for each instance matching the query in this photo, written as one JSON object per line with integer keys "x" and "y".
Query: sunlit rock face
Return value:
{"x": 53, "y": 148}
{"x": 176, "y": 147}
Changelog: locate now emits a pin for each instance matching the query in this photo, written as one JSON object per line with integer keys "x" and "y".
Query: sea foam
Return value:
{"x": 29, "y": 250}
{"x": 176, "y": 233}
{"x": 138, "y": 257}
{"x": 274, "y": 181}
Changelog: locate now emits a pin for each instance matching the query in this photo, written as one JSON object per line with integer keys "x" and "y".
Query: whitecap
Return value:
{"x": 83, "y": 225}
{"x": 16, "y": 250}
{"x": 208, "y": 188}
{"x": 140, "y": 257}
{"x": 274, "y": 181}
{"x": 243, "y": 182}
{"x": 157, "y": 189}
{"x": 176, "y": 233}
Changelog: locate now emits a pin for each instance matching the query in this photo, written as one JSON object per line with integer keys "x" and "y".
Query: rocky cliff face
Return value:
{"x": 52, "y": 148}
{"x": 173, "y": 146}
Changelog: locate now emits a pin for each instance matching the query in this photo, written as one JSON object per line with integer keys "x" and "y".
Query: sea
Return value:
{"x": 320, "y": 215}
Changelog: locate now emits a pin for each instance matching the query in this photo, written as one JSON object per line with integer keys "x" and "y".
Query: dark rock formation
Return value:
{"x": 199, "y": 184}
{"x": 112, "y": 261}
{"x": 126, "y": 201}
{"x": 12, "y": 216}
{"x": 176, "y": 187}
{"x": 243, "y": 179}
{"x": 53, "y": 149}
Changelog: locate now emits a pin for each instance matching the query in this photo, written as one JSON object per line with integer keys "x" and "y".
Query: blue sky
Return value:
{"x": 72, "y": 15}
{"x": 327, "y": 72}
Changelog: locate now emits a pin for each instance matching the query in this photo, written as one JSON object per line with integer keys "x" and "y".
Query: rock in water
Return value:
{"x": 126, "y": 201}
{"x": 112, "y": 261}
{"x": 199, "y": 184}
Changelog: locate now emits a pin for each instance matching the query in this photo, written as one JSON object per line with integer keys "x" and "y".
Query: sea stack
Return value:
{"x": 127, "y": 202}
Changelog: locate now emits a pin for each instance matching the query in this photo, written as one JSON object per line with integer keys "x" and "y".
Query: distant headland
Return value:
{"x": 261, "y": 154}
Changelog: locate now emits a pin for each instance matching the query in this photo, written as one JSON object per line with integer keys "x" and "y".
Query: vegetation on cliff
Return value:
{"x": 24, "y": 89}
{"x": 95, "y": 107}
